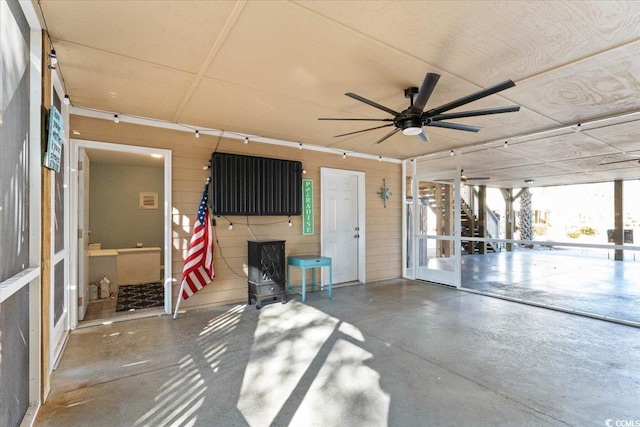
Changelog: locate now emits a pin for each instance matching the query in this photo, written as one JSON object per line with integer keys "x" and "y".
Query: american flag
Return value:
{"x": 198, "y": 267}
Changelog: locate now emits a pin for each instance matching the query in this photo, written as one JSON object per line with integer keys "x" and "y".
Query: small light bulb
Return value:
{"x": 379, "y": 158}
{"x": 290, "y": 225}
{"x": 116, "y": 119}
{"x": 451, "y": 153}
{"x": 300, "y": 146}
{"x": 230, "y": 226}
{"x": 197, "y": 134}
{"x": 304, "y": 171}
{"x": 506, "y": 144}
{"x": 66, "y": 100}
{"x": 344, "y": 155}
{"x": 53, "y": 57}
{"x": 246, "y": 139}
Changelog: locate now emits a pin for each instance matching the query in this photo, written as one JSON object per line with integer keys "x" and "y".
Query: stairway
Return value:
{"x": 471, "y": 228}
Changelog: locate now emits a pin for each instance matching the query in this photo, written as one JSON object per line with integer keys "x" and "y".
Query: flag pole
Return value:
{"x": 175, "y": 313}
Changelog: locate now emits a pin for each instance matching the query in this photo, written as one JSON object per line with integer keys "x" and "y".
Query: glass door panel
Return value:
{"x": 434, "y": 230}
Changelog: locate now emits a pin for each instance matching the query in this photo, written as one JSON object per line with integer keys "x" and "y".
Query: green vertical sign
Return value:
{"x": 307, "y": 207}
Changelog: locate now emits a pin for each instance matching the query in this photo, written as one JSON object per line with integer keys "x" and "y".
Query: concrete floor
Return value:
{"x": 397, "y": 353}
{"x": 559, "y": 278}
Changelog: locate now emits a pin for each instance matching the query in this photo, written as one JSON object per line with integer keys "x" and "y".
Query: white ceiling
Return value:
{"x": 272, "y": 68}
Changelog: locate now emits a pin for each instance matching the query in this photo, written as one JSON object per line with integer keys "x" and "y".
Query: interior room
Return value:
{"x": 432, "y": 216}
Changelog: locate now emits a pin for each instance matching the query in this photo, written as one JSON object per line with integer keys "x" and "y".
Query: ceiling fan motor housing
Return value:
{"x": 411, "y": 125}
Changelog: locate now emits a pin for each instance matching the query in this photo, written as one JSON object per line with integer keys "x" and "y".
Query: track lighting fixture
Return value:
{"x": 116, "y": 119}
{"x": 66, "y": 100}
{"x": 197, "y": 134}
{"x": 246, "y": 139}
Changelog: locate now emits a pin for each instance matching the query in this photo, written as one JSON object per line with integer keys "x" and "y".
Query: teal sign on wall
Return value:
{"x": 307, "y": 207}
{"x": 53, "y": 155}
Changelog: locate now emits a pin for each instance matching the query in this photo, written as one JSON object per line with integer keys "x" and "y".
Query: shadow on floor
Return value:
{"x": 388, "y": 353}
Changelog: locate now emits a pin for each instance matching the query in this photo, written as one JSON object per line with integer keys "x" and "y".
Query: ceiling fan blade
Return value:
{"x": 423, "y": 136}
{"x": 387, "y": 136}
{"x": 620, "y": 161}
{"x": 425, "y": 92}
{"x": 472, "y": 97}
{"x": 363, "y": 130}
{"x": 373, "y": 104}
{"x": 456, "y": 126}
{"x": 473, "y": 113}
{"x": 477, "y": 178}
{"x": 361, "y": 120}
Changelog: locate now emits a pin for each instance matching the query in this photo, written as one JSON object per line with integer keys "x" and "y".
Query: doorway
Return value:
{"x": 436, "y": 228}
{"x": 343, "y": 223}
{"x": 83, "y": 153}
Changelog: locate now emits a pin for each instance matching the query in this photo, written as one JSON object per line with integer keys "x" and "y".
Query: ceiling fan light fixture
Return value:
{"x": 412, "y": 126}
{"x": 412, "y": 131}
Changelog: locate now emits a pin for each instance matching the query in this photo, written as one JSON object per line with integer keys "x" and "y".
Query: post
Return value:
{"x": 482, "y": 217}
{"x": 618, "y": 219}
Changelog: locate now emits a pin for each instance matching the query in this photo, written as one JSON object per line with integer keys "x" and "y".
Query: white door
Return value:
{"x": 59, "y": 301}
{"x": 437, "y": 225}
{"x": 83, "y": 235}
{"x": 340, "y": 225}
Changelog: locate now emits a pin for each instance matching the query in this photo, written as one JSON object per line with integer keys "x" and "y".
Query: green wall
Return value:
{"x": 115, "y": 219}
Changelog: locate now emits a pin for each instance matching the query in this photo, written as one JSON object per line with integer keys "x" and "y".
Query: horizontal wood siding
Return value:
{"x": 189, "y": 155}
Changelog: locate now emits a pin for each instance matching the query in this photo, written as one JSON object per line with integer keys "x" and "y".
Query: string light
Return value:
{"x": 116, "y": 119}
{"x": 53, "y": 57}
{"x": 197, "y": 134}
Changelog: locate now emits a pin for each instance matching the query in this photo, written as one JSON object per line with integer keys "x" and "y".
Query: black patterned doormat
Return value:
{"x": 136, "y": 297}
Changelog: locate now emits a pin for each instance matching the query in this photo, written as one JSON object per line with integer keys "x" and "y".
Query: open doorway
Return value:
{"x": 122, "y": 253}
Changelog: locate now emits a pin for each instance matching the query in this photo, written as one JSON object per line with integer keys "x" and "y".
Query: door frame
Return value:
{"x": 455, "y": 278}
{"x": 325, "y": 173}
{"x": 74, "y": 283}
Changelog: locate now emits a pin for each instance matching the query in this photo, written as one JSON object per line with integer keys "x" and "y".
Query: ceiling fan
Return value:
{"x": 623, "y": 161}
{"x": 464, "y": 178}
{"x": 412, "y": 120}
